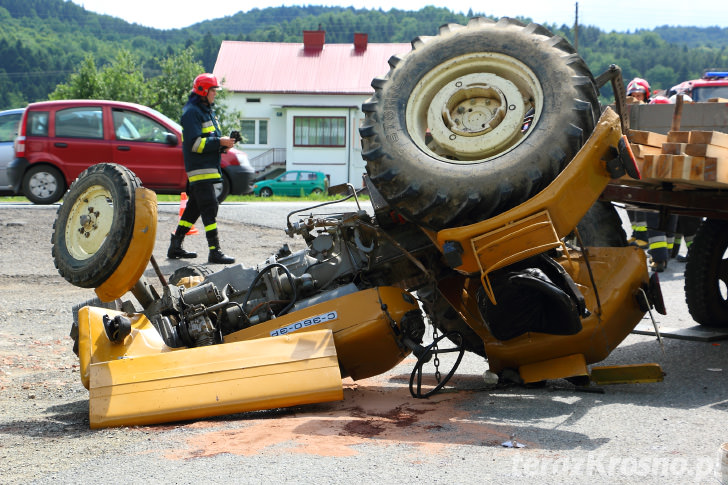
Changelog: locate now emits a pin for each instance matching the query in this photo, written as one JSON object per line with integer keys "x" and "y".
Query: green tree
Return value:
{"x": 661, "y": 77}
{"x": 209, "y": 49}
{"x": 83, "y": 83}
{"x": 123, "y": 80}
{"x": 171, "y": 88}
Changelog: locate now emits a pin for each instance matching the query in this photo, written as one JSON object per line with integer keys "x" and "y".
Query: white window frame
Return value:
{"x": 257, "y": 121}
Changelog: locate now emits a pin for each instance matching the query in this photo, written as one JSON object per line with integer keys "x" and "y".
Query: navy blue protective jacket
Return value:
{"x": 200, "y": 140}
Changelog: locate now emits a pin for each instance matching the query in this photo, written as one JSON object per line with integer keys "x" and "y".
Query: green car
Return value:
{"x": 294, "y": 183}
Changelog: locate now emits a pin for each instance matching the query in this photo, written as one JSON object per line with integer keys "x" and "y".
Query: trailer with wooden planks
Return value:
{"x": 682, "y": 153}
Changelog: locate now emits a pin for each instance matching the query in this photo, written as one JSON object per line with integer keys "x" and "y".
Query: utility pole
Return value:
{"x": 576, "y": 28}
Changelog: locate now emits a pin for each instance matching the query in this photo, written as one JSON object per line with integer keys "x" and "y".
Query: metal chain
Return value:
{"x": 436, "y": 361}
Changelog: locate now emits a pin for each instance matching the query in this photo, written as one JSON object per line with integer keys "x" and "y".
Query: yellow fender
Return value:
{"x": 140, "y": 248}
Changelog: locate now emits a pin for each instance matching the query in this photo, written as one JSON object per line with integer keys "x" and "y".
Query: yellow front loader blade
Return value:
{"x": 174, "y": 385}
{"x": 626, "y": 374}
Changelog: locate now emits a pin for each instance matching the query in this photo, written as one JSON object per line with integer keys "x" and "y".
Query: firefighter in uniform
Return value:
{"x": 202, "y": 143}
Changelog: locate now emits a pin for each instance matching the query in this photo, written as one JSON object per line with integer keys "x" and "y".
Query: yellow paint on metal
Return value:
{"x": 626, "y": 374}
{"x": 141, "y": 380}
{"x": 567, "y": 366}
{"x": 365, "y": 340}
{"x": 140, "y": 248}
{"x": 566, "y": 199}
{"x": 94, "y": 346}
{"x": 209, "y": 381}
{"x": 507, "y": 245}
{"x": 618, "y": 272}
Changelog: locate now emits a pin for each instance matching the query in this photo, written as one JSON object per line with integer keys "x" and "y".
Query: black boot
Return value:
{"x": 218, "y": 257}
{"x": 175, "y": 250}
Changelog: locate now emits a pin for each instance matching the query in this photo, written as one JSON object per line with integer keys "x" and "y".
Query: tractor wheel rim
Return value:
{"x": 473, "y": 107}
{"x": 89, "y": 222}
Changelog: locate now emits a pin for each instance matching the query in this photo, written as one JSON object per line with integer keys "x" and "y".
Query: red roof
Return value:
{"x": 277, "y": 67}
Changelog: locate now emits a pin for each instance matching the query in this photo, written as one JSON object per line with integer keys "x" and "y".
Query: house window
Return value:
{"x": 254, "y": 132}
{"x": 319, "y": 131}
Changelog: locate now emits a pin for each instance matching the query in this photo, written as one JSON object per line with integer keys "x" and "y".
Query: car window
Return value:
{"x": 9, "y": 127}
{"x": 82, "y": 122}
{"x": 308, "y": 176}
{"x": 37, "y": 123}
{"x": 129, "y": 125}
{"x": 289, "y": 177}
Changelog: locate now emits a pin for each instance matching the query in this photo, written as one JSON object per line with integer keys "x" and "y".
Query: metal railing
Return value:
{"x": 274, "y": 156}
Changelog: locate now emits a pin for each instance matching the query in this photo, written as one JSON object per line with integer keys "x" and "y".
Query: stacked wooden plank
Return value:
{"x": 694, "y": 158}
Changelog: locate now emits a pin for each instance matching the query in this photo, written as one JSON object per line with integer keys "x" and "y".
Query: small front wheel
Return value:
{"x": 266, "y": 192}
{"x": 95, "y": 224}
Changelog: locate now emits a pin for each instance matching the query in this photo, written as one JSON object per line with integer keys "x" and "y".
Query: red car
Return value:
{"x": 57, "y": 140}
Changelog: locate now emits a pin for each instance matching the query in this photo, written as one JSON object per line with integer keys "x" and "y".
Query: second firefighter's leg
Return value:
{"x": 657, "y": 243}
{"x": 208, "y": 211}
{"x": 186, "y": 220}
{"x": 638, "y": 221}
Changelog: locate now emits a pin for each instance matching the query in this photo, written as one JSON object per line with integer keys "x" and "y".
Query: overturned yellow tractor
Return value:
{"x": 473, "y": 231}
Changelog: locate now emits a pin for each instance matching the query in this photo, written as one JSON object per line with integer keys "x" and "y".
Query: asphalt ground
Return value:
{"x": 666, "y": 432}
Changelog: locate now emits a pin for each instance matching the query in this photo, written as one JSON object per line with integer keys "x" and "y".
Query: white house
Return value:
{"x": 301, "y": 102}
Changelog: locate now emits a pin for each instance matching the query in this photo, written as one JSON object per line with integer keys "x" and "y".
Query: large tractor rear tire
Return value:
{"x": 476, "y": 120}
{"x": 94, "y": 225}
{"x": 602, "y": 227}
{"x": 706, "y": 275}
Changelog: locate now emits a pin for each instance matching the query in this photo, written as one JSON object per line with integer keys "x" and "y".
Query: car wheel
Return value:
{"x": 476, "y": 120}
{"x": 95, "y": 224}
{"x": 222, "y": 190}
{"x": 266, "y": 192}
{"x": 317, "y": 191}
{"x": 43, "y": 184}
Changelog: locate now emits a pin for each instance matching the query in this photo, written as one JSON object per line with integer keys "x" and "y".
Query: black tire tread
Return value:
{"x": 601, "y": 226}
{"x": 187, "y": 271}
{"x": 93, "y": 272}
{"x": 425, "y": 198}
{"x": 705, "y": 268}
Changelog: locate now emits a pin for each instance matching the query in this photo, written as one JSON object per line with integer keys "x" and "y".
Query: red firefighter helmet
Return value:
{"x": 660, "y": 100}
{"x": 203, "y": 83}
{"x": 638, "y": 85}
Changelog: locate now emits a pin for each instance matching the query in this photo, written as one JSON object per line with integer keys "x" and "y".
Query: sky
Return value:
{"x": 608, "y": 15}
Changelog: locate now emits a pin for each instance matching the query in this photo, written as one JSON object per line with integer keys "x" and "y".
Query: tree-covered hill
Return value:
{"x": 43, "y": 42}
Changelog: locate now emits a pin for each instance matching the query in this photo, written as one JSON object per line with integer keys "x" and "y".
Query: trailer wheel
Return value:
{"x": 476, "y": 120}
{"x": 94, "y": 225}
{"x": 706, "y": 275}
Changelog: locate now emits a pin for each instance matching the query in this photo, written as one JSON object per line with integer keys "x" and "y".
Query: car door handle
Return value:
{"x": 60, "y": 144}
{"x": 123, "y": 148}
